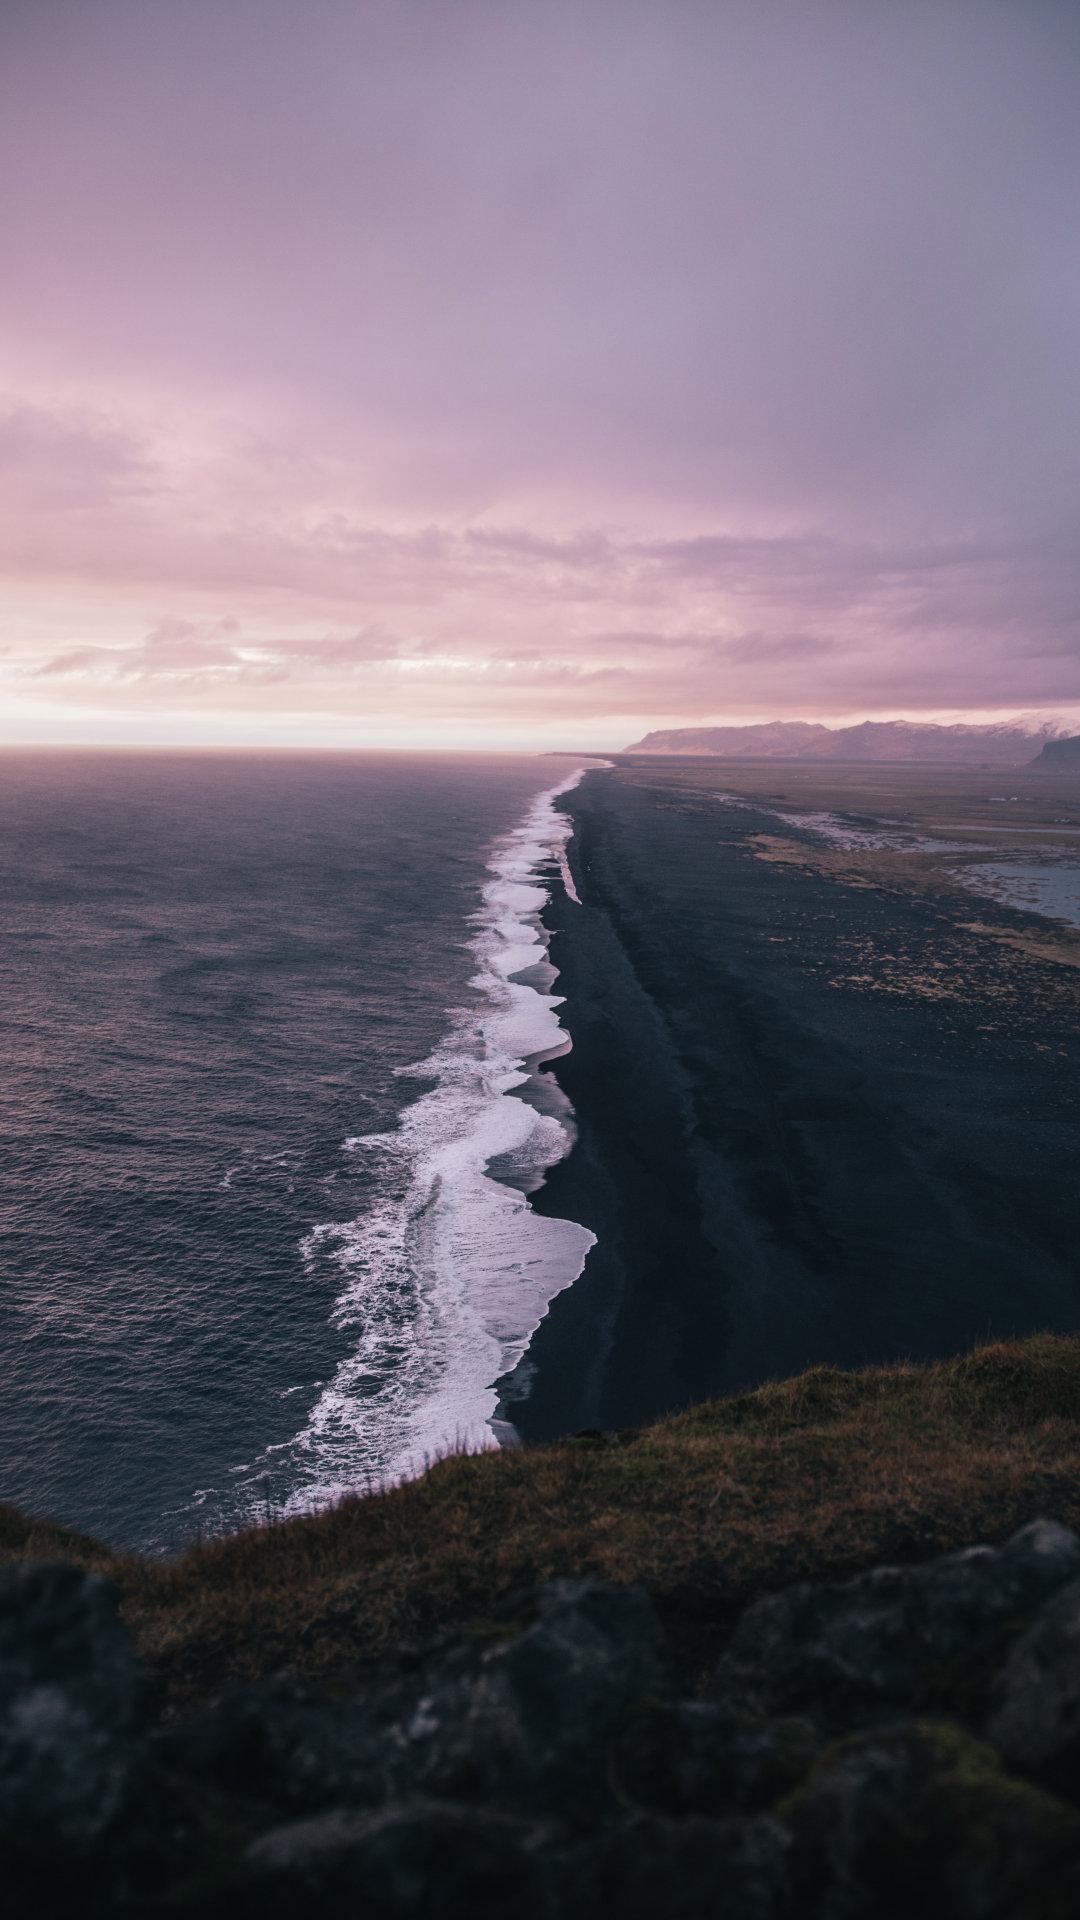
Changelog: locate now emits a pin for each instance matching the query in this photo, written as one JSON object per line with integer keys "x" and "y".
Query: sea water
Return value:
{"x": 269, "y": 1116}
{"x": 1049, "y": 886}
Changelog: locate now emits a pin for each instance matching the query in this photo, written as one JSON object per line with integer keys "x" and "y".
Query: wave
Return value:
{"x": 445, "y": 1278}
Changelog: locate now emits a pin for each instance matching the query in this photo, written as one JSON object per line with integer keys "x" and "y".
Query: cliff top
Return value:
{"x": 814, "y": 1477}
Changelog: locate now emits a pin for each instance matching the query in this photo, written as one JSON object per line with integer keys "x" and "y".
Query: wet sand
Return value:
{"x": 828, "y": 1107}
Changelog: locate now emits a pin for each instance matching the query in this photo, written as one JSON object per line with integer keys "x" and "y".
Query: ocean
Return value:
{"x": 270, "y": 1111}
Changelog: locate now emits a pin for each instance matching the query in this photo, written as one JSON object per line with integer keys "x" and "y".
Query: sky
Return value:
{"x": 518, "y": 373}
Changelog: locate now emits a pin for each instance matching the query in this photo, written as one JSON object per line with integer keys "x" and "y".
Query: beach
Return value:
{"x": 826, "y": 1101}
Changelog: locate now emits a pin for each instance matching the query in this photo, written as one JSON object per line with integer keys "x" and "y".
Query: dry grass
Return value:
{"x": 815, "y": 1476}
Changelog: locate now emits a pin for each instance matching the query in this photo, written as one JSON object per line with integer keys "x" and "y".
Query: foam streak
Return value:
{"x": 444, "y": 1281}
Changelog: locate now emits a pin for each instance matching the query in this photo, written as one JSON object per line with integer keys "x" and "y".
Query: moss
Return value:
{"x": 820, "y": 1395}
{"x": 922, "y": 1817}
{"x": 1030, "y": 1381}
{"x": 939, "y": 1747}
{"x": 1024, "y": 1381}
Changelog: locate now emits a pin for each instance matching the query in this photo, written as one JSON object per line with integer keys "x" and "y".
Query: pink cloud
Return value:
{"x": 608, "y": 364}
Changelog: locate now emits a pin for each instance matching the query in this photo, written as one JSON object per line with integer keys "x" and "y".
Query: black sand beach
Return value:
{"x": 826, "y": 1113}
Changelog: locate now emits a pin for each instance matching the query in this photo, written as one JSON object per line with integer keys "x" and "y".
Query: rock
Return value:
{"x": 658, "y": 1869}
{"x": 910, "y": 1637}
{"x": 919, "y": 1818}
{"x": 1044, "y": 1555}
{"x": 438, "y": 1862}
{"x": 527, "y": 1722}
{"x": 61, "y": 1627}
{"x": 694, "y": 1757}
{"x": 542, "y": 1772}
{"x": 281, "y": 1744}
{"x": 69, "y": 1699}
{"x": 1036, "y": 1724}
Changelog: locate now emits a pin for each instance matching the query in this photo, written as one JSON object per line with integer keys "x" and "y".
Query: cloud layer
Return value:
{"x": 467, "y": 372}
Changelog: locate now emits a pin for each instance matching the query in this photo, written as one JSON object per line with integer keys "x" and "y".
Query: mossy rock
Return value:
{"x": 920, "y": 1818}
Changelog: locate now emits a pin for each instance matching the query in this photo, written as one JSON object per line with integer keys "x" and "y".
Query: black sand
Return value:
{"x": 817, "y": 1121}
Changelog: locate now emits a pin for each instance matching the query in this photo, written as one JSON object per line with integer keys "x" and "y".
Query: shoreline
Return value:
{"x": 464, "y": 1264}
{"x": 783, "y": 1166}
{"x": 622, "y": 1181}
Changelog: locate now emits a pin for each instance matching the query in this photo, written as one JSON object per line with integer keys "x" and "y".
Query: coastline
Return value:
{"x": 611, "y": 1348}
{"x": 783, "y": 1168}
{"x": 444, "y": 1280}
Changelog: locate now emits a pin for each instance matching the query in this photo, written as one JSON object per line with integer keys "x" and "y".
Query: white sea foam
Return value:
{"x": 445, "y": 1279}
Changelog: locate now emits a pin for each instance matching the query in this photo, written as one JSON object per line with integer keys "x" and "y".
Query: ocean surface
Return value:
{"x": 269, "y": 1114}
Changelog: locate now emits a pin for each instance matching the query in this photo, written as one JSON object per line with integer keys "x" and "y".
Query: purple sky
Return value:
{"x": 511, "y": 372}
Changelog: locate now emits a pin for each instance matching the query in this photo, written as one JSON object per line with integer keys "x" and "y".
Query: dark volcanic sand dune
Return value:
{"x": 818, "y": 1122}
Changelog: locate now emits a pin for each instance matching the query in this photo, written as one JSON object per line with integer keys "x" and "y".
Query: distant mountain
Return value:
{"x": 778, "y": 740}
{"x": 1059, "y": 756}
{"x": 1004, "y": 744}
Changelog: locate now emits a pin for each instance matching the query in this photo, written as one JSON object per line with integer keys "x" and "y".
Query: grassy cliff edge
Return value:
{"x": 814, "y": 1477}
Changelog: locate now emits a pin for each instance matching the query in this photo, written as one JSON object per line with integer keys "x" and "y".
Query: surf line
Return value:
{"x": 443, "y": 1280}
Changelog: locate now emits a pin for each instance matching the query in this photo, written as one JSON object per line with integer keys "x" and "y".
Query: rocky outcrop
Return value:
{"x": 905, "y": 1740}
{"x": 69, "y": 1716}
{"x": 1037, "y": 1721}
{"x": 1059, "y": 756}
{"x": 923, "y": 1638}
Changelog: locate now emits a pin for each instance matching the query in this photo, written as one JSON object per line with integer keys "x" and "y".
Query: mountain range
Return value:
{"x": 1001, "y": 744}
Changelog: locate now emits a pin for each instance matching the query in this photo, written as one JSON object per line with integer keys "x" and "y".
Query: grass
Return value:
{"x": 811, "y": 1477}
